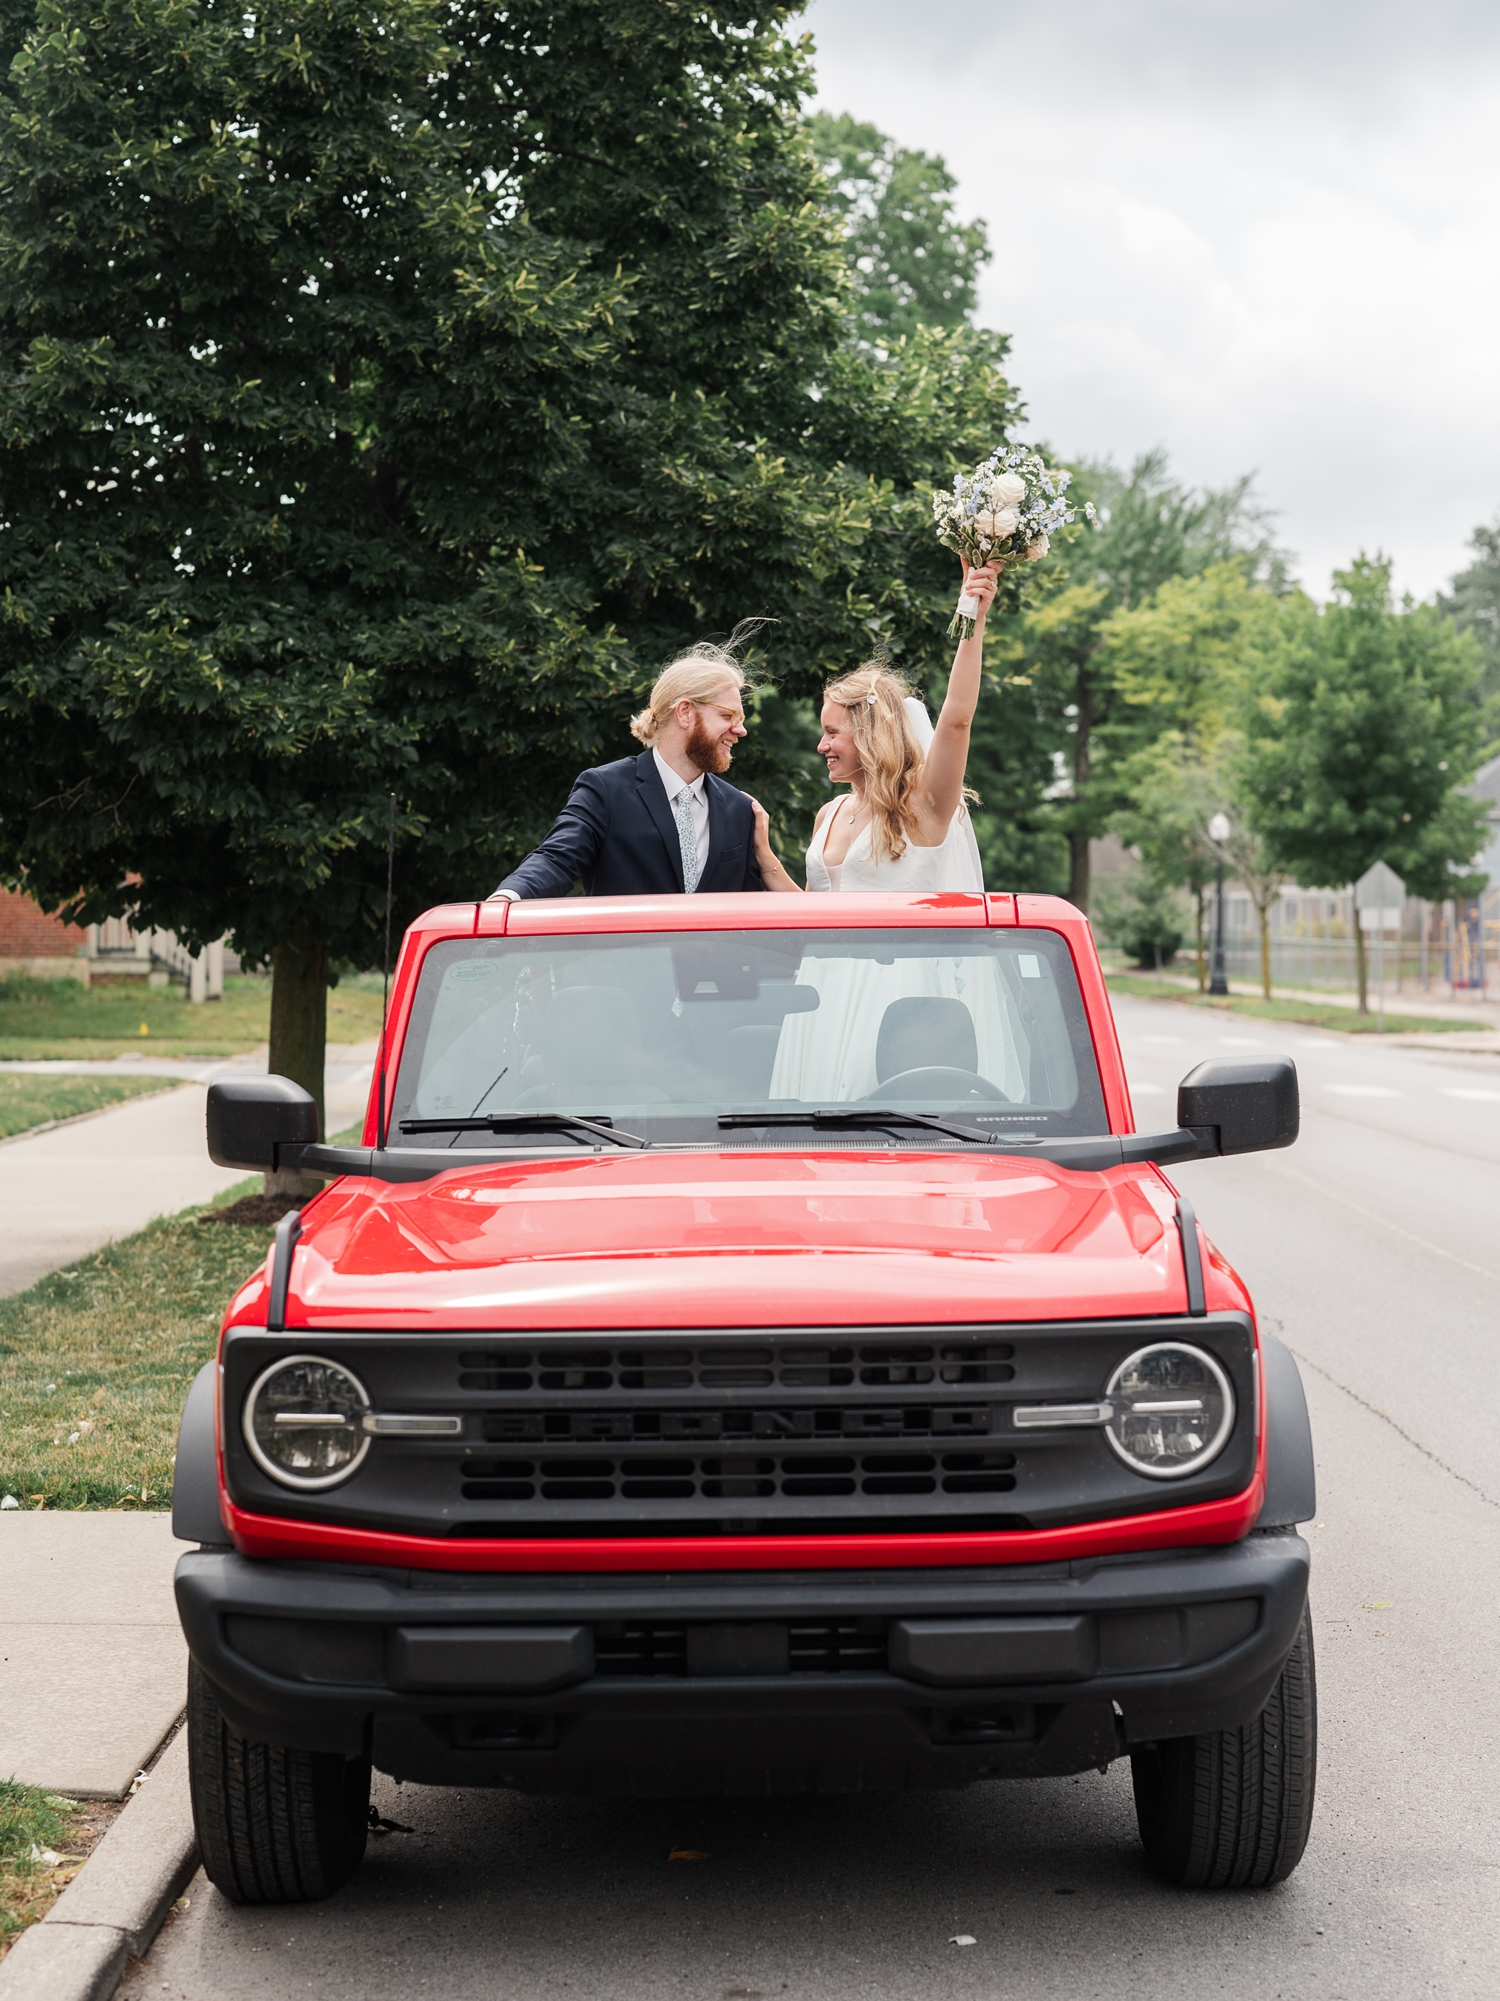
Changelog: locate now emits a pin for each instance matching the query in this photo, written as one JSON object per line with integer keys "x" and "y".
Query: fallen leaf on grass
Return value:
{"x": 1379, "y": 1605}
{"x": 690, "y": 1855}
{"x": 963, "y": 1938}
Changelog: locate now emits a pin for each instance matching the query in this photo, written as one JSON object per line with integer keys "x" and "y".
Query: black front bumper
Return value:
{"x": 787, "y": 1681}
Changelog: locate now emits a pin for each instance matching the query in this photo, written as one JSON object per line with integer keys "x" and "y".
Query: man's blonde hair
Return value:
{"x": 698, "y": 675}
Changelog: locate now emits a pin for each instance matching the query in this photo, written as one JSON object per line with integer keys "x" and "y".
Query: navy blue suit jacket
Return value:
{"x": 618, "y": 837}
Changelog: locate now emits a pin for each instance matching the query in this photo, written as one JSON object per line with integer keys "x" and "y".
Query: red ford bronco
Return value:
{"x": 751, "y": 1351}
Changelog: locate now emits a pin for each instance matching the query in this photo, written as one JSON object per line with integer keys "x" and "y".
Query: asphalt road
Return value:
{"x": 1373, "y": 1248}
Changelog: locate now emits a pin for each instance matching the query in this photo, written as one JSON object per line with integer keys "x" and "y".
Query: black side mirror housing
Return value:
{"x": 250, "y": 1117}
{"x": 1254, "y": 1106}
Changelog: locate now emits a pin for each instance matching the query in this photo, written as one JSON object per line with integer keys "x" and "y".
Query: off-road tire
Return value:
{"x": 1232, "y": 1809}
{"x": 275, "y": 1826}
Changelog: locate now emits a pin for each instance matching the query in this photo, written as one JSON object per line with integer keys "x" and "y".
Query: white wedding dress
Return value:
{"x": 920, "y": 871}
{"x": 828, "y": 1054}
{"x": 953, "y": 866}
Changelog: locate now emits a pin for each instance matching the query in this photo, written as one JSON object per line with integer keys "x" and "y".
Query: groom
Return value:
{"x": 664, "y": 821}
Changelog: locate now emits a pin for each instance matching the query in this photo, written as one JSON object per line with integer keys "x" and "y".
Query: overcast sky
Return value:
{"x": 1263, "y": 236}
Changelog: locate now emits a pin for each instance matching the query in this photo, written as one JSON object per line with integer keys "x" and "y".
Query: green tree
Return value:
{"x": 1473, "y": 603}
{"x": 1364, "y": 727}
{"x": 366, "y": 379}
{"x": 1074, "y": 679}
{"x": 1178, "y": 664}
{"x": 1173, "y": 789}
{"x": 913, "y": 263}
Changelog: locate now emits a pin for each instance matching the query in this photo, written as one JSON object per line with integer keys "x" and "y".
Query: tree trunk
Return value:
{"x": 1199, "y": 941}
{"x": 1078, "y": 870}
{"x": 1263, "y": 910}
{"x": 1079, "y": 884}
{"x": 299, "y": 1031}
{"x": 1361, "y": 965}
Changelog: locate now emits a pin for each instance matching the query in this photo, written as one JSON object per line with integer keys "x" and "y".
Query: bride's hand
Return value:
{"x": 762, "y": 830}
{"x": 772, "y": 874}
{"x": 980, "y": 583}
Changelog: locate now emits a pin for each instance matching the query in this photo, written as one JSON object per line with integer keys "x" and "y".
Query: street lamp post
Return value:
{"x": 1218, "y": 833}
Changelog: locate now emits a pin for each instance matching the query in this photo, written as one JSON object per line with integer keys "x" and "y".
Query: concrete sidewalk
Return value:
{"x": 70, "y": 1190}
{"x": 93, "y": 1669}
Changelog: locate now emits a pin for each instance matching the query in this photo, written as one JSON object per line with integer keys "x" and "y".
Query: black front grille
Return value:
{"x": 738, "y": 1476}
{"x": 897, "y": 1430}
{"x": 603, "y": 1370}
{"x": 828, "y": 1647}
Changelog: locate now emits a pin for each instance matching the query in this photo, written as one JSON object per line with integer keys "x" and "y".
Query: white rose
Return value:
{"x": 1007, "y": 520}
{"x": 1037, "y": 549}
{"x": 1007, "y": 490}
{"x": 984, "y": 524}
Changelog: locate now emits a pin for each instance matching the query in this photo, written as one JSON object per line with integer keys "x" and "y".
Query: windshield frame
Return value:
{"x": 577, "y": 922}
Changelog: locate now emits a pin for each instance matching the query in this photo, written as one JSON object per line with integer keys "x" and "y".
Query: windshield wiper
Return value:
{"x": 866, "y": 1116}
{"x": 520, "y": 1122}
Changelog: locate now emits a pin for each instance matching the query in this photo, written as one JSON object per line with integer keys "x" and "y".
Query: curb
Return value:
{"x": 99, "y": 1111}
{"x": 114, "y": 1906}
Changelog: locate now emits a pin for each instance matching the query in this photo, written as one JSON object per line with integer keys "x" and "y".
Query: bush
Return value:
{"x": 1144, "y": 918}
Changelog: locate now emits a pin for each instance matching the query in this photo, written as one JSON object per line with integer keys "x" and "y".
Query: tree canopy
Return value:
{"x": 1473, "y": 603}
{"x": 912, "y": 263}
{"x": 1363, "y": 722}
{"x": 1071, "y": 672}
{"x": 387, "y": 394}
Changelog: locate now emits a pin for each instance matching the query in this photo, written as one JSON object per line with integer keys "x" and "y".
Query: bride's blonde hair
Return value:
{"x": 888, "y": 750}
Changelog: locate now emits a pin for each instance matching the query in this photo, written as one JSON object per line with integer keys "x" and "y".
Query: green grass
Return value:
{"x": 95, "y": 1360}
{"x": 31, "y": 1818}
{"x": 1307, "y": 1014}
{"x": 28, "y": 1101}
{"x": 42, "y": 1020}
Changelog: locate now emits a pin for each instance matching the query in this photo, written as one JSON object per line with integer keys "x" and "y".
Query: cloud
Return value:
{"x": 1262, "y": 236}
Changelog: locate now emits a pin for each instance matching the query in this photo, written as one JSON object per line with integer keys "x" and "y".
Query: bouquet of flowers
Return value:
{"x": 1002, "y": 512}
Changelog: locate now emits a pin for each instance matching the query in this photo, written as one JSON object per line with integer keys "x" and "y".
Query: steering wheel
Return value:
{"x": 936, "y": 1080}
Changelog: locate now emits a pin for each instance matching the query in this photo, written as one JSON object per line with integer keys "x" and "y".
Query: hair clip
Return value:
{"x": 869, "y": 701}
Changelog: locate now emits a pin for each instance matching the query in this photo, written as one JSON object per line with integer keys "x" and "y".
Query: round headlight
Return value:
{"x": 1172, "y": 1410}
{"x": 303, "y": 1421}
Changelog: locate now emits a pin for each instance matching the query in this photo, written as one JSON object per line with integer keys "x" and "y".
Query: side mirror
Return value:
{"x": 250, "y": 1117}
{"x": 1254, "y": 1106}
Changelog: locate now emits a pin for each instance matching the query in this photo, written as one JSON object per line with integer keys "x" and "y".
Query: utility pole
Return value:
{"x": 1218, "y": 833}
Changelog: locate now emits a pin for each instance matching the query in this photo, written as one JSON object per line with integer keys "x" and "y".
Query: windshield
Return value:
{"x": 662, "y": 1033}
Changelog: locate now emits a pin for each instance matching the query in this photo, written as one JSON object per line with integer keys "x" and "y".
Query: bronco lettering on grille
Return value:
{"x": 592, "y": 1427}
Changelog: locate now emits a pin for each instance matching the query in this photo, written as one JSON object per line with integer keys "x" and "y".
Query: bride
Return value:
{"x": 903, "y": 824}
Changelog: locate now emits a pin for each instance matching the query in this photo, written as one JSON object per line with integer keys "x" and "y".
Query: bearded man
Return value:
{"x": 664, "y": 821}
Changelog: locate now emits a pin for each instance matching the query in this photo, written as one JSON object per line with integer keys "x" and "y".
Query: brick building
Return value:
{"x": 33, "y": 942}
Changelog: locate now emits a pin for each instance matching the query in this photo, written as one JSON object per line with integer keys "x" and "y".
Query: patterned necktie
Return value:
{"x": 682, "y": 812}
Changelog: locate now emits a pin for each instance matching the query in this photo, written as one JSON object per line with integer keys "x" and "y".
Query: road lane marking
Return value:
{"x": 1474, "y": 1097}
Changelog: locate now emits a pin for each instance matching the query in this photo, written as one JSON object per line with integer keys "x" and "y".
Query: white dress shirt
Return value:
{"x": 697, "y": 801}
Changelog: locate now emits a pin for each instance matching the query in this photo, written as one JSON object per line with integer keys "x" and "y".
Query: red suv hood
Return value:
{"x": 736, "y": 1240}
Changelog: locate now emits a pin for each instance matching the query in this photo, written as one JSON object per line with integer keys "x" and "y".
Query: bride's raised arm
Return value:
{"x": 948, "y": 754}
